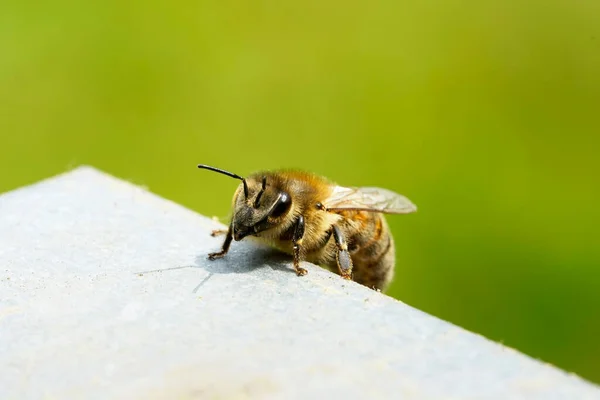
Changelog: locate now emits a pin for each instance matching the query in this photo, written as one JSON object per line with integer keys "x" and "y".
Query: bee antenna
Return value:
{"x": 262, "y": 190}
{"x": 231, "y": 174}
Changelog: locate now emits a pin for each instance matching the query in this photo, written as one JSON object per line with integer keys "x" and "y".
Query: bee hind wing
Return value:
{"x": 369, "y": 199}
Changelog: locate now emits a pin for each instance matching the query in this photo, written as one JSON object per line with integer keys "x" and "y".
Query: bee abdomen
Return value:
{"x": 374, "y": 255}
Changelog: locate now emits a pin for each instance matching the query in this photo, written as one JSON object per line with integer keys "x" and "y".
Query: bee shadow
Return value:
{"x": 246, "y": 259}
{"x": 243, "y": 260}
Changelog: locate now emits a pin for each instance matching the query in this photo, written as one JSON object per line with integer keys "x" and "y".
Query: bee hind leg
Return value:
{"x": 225, "y": 248}
{"x": 342, "y": 256}
{"x": 297, "y": 242}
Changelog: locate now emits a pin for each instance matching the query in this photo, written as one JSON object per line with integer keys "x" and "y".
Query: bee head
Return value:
{"x": 265, "y": 207}
{"x": 259, "y": 204}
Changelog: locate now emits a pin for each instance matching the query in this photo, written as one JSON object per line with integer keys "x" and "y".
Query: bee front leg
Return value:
{"x": 342, "y": 256}
{"x": 226, "y": 244}
{"x": 297, "y": 242}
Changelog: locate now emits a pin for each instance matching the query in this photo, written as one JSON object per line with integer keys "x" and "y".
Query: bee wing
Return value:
{"x": 368, "y": 199}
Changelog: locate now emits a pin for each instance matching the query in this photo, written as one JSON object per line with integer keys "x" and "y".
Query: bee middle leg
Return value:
{"x": 225, "y": 248}
{"x": 297, "y": 242}
{"x": 342, "y": 256}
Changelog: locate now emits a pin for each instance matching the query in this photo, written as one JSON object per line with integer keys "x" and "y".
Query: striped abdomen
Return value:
{"x": 371, "y": 248}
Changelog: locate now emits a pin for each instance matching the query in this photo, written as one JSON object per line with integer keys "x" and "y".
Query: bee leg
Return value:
{"x": 225, "y": 248}
{"x": 342, "y": 256}
{"x": 218, "y": 232}
{"x": 297, "y": 242}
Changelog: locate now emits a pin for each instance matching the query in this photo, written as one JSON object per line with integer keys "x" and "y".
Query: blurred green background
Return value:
{"x": 486, "y": 114}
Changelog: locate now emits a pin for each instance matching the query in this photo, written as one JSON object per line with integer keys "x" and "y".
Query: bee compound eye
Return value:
{"x": 282, "y": 206}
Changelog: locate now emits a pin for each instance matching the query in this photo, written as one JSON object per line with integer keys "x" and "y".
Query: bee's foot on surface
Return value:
{"x": 301, "y": 271}
{"x": 214, "y": 256}
{"x": 348, "y": 277}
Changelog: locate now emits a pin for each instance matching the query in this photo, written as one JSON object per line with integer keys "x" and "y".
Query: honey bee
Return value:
{"x": 313, "y": 219}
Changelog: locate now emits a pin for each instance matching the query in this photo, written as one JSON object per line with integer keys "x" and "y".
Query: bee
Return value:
{"x": 315, "y": 220}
